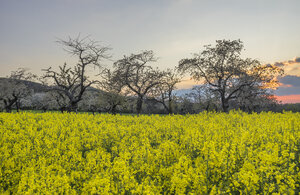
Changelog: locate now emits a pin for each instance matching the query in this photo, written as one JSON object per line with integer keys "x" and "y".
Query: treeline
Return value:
{"x": 134, "y": 85}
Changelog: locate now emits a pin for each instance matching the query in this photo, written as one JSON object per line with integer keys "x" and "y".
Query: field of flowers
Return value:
{"x": 212, "y": 153}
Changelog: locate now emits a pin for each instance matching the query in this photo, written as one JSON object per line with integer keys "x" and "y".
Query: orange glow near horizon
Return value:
{"x": 187, "y": 83}
{"x": 289, "y": 99}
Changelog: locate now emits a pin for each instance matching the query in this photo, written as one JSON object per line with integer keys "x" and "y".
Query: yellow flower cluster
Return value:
{"x": 207, "y": 153}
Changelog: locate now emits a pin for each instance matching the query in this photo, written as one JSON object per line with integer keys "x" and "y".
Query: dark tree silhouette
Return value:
{"x": 73, "y": 82}
{"x": 136, "y": 76}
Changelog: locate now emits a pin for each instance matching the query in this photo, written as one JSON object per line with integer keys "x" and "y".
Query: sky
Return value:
{"x": 173, "y": 29}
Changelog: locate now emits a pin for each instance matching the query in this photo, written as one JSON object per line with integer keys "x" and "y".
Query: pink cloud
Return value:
{"x": 284, "y": 85}
{"x": 289, "y": 99}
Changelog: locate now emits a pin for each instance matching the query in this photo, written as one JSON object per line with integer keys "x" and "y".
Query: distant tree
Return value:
{"x": 136, "y": 76}
{"x": 204, "y": 97}
{"x": 256, "y": 99}
{"x": 163, "y": 92}
{"x": 185, "y": 105}
{"x": 111, "y": 94}
{"x": 288, "y": 107}
{"x": 39, "y": 101}
{"x": 14, "y": 88}
{"x": 72, "y": 82}
{"x": 226, "y": 73}
{"x": 90, "y": 101}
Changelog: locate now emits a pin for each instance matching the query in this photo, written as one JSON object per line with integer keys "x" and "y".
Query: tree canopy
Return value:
{"x": 225, "y": 72}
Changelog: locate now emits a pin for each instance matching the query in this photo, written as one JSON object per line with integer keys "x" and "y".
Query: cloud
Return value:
{"x": 279, "y": 64}
{"x": 289, "y": 85}
{"x": 284, "y": 90}
{"x": 295, "y": 69}
{"x": 292, "y": 80}
{"x": 286, "y": 99}
{"x": 284, "y": 85}
{"x": 296, "y": 60}
{"x": 291, "y": 67}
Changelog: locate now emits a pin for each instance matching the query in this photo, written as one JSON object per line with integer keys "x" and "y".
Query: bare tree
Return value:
{"x": 14, "y": 88}
{"x": 111, "y": 91}
{"x": 226, "y": 72}
{"x": 73, "y": 82}
{"x": 136, "y": 76}
{"x": 163, "y": 92}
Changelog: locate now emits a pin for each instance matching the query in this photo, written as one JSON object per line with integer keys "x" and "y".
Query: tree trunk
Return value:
{"x": 44, "y": 109}
{"x": 170, "y": 110}
{"x": 114, "y": 109}
{"x": 165, "y": 107}
{"x": 224, "y": 101}
{"x": 62, "y": 109}
{"x": 73, "y": 107}
{"x": 207, "y": 107}
{"x": 18, "y": 105}
{"x": 139, "y": 104}
{"x": 8, "y": 104}
{"x": 225, "y": 105}
{"x": 8, "y": 109}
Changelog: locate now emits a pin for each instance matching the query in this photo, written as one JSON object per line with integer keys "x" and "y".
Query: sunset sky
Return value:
{"x": 173, "y": 29}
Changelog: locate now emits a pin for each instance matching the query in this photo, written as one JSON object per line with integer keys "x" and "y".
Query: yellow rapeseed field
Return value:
{"x": 207, "y": 153}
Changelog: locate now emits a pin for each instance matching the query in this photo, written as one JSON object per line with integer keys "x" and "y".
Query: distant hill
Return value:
{"x": 39, "y": 88}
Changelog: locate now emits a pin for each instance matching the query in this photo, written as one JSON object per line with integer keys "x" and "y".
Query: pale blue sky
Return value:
{"x": 174, "y": 29}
